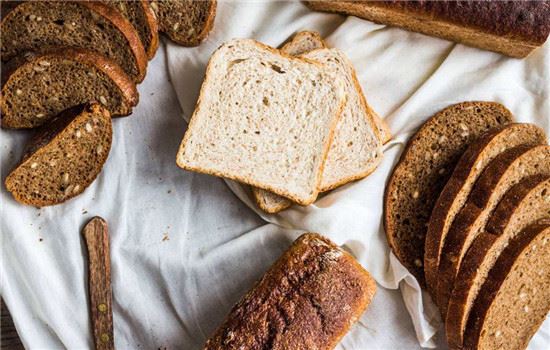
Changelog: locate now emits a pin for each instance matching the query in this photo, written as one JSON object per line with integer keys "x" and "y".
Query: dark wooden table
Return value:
{"x": 8, "y": 334}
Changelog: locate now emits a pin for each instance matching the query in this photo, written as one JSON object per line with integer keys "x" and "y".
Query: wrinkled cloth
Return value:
{"x": 185, "y": 247}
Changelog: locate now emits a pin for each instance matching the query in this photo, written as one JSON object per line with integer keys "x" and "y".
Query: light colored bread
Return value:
{"x": 264, "y": 119}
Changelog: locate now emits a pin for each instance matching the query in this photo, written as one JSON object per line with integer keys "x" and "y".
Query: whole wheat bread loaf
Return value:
{"x": 506, "y": 170}
{"x": 525, "y": 203}
{"x": 264, "y": 119}
{"x": 36, "y": 87}
{"x": 423, "y": 170}
{"x": 456, "y": 191}
{"x": 43, "y": 25}
{"x": 64, "y": 158}
{"x": 515, "y": 298}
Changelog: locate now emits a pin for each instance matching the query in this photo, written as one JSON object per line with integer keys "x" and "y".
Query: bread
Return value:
{"x": 456, "y": 191}
{"x": 524, "y": 204}
{"x": 513, "y": 28}
{"x": 506, "y": 170}
{"x": 36, "y": 87}
{"x": 264, "y": 119}
{"x": 423, "y": 170}
{"x": 64, "y": 157}
{"x": 142, "y": 17}
{"x": 515, "y": 299}
{"x": 186, "y": 22}
{"x": 307, "y": 300}
{"x": 42, "y": 25}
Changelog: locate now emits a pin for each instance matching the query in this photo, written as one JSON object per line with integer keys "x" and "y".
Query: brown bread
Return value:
{"x": 307, "y": 300}
{"x": 64, "y": 158}
{"x": 422, "y": 172}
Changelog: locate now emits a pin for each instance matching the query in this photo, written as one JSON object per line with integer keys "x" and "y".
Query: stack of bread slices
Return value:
{"x": 467, "y": 211}
{"x": 291, "y": 123}
{"x": 67, "y": 65}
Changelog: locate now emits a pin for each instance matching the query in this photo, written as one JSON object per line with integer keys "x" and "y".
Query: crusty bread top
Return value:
{"x": 265, "y": 119}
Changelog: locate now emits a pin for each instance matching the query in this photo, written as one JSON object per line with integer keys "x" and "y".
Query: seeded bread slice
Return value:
{"x": 506, "y": 170}
{"x": 457, "y": 189}
{"x": 264, "y": 119}
{"x": 64, "y": 158}
{"x": 43, "y": 25}
{"x": 142, "y": 17}
{"x": 423, "y": 170}
{"x": 515, "y": 298}
{"x": 186, "y": 22}
{"x": 525, "y": 203}
{"x": 37, "y": 87}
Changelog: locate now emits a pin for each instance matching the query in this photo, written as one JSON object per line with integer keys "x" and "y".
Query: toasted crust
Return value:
{"x": 153, "y": 27}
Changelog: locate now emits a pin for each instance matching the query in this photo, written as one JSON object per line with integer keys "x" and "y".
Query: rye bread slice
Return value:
{"x": 64, "y": 158}
{"x": 185, "y": 22}
{"x": 37, "y": 87}
{"x": 43, "y": 25}
{"x": 142, "y": 17}
{"x": 423, "y": 170}
{"x": 456, "y": 191}
{"x": 506, "y": 170}
{"x": 525, "y": 203}
{"x": 515, "y": 298}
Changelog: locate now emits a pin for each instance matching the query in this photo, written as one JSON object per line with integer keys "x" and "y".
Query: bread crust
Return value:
{"x": 207, "y": 27}
{"x": 153, "y": 27}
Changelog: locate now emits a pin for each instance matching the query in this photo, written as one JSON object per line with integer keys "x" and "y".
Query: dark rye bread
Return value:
{"x": 506, "y": 170}
{"x": 43, "y": 25}
{"x": 456, "y": 191}
{"x": 525, "y": 203}
{"x": 515, "y": 299}
{"x": 36, "y": 87}
{"x": 307, "y": 300}
{"x": 142, "y": 17}
{"x": 64, "y": 157}
{"x": 186, "y": 22}
{"x": 513, "y": 28}
{"x": 423, "y": 170}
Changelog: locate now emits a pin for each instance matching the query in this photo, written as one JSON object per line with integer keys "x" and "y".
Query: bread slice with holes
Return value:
{"x": 64, "y": 157}
{"x": 515, "y": 299}
{"x": 524, "y": 204}
{"x": 265, "y": 119}
{"x": 36, "y": 87}
{"x": 506, "y": 170}
{"x": 43, "y": 25}
{"x": 423, "y": 170}
{"x": 456, "y": 191}
{"x": 185, "y": 22}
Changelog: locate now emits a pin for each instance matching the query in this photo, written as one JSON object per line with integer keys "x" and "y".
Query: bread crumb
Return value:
{"x": 165, "y": 237}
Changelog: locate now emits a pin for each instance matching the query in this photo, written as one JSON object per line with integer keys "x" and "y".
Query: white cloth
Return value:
{"x": 184, "y": 249}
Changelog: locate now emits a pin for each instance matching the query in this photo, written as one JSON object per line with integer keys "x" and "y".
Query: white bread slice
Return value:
{"x": 265, "y": 119}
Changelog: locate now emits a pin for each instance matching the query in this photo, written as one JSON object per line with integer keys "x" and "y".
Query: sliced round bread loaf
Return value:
{"x": 36, "y": 87}
{"x": 506, "y": 170}
{"x": 186, "y": 22}
{"x": 423, "y": 170}
{"x": 64, "y": 158}
{"x": 457, "y": 189}
{"x": 43, "y": 25}
{"x": 515, "y": 298}
{"x": 524, "y": 204}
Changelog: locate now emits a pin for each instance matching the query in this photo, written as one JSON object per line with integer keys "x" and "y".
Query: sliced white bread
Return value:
{"x": 265, "y": 119}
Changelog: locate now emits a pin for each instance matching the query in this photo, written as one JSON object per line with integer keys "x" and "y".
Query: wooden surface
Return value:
{"x": 99, "y": 274}
{"x": 9, "y": 337}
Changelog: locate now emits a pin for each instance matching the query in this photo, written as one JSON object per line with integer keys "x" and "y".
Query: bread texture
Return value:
{"x": 43, "y": 25}
{"x": 515, "y": 298}
{"x": 64, "y": 157}
{"x": 524, "y": 204}
{"x": 423, "y": 170}
{"x": 456, "y": 191}
{"x": 142, "y": 17}
{"x": 307, "y": 300}
{"x": 186, "y": 22}
{"x": 264, "y": 119}
{"x": 506, "y": 170}
{"x": 37, "y": 87}
{"x": 513, "y": 28}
